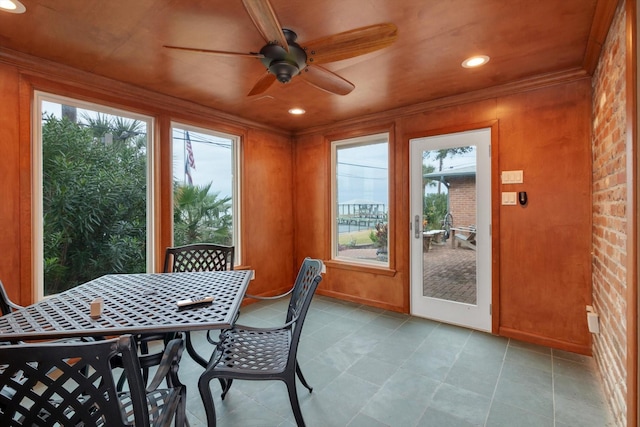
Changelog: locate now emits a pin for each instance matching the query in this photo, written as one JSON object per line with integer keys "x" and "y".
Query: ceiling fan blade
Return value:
{"x": 215, "y": 52}
{"x": 263, "y": 84}
{"x": 350, "y": 43}
{"x": 266, "y": 21}
{"x": 326, "y": 80}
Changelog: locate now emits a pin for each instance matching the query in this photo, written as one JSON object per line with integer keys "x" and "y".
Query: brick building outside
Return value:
{"x": 461, "y": 185}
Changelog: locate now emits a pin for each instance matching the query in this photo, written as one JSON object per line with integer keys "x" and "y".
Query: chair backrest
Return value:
{"x": 309, "y": 276}
{"x": 199, "y": 257}
{"x": 6, "y": 305}
{"x": 62, "y": 384}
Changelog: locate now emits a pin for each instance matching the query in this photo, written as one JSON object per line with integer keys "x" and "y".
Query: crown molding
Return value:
{"x": 528, "y": 84}
{"x": 46, "y": 70}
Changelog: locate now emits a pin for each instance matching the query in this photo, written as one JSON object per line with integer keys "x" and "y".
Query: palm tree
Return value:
{"x": 200, "y": 216}
{"x": 69, "y": 112}
{"x": 427, "y": 182}
{"x": 113, "y": 129}
{"x": 440, "y": 155}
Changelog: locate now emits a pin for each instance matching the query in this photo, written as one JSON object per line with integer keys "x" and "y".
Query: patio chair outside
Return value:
{"x": 64, "y": 384}
{"x": 467, "y": 240}
{"x": 248, "y": 353}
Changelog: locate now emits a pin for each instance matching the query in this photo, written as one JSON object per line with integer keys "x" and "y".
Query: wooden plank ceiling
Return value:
{"x": 123, "y": 40}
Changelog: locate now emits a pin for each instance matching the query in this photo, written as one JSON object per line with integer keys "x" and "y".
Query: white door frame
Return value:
{"x": 476, "y": 316}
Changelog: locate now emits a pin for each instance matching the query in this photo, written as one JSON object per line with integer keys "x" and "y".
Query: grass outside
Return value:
{"x": 355, "y": 238}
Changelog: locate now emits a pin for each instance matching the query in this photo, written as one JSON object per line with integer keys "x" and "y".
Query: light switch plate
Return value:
{"x": 512, "y": 177}
{"x": 509, "y": 197}
{"x": 517, "y": 177}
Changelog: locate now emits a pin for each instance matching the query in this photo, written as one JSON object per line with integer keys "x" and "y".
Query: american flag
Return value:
{"x": 191, "y": 161}
{"x": 187, "y": 173}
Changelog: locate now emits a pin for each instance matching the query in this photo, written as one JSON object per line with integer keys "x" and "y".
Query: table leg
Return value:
{"x": 192, "y": 351}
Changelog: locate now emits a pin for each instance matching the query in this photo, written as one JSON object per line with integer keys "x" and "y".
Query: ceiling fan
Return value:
{"x": 284, "y": 58}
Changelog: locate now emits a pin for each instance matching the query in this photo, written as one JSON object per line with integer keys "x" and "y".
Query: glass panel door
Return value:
{"x": 451, "y": 250}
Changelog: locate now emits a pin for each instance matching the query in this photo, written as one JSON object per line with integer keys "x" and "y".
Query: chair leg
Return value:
{"x": 302, "y": 380}
{"x": 295, "y": 404}
{"x": 226, "y": 385}
{"x": 181, "y": 416}
{"x": 120, "y": 383}
{"x": 207, "y": 400}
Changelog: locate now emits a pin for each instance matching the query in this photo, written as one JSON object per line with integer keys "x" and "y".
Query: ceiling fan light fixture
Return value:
{"x": 475, "y": 61}
{"x": 283, "y": 70}
{"x": 282, "y": 63}
{"x": 12, "y": 6}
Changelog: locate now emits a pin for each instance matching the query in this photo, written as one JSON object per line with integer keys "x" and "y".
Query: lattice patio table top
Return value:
{"x": 133, "y": 303}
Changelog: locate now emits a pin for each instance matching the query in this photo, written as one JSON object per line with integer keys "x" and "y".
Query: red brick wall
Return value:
{"x": 462, "y": 201}
{"x": 609, "y": 220}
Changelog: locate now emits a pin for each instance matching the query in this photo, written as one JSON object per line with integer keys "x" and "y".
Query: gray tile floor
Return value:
{"x": 371, "y": 367}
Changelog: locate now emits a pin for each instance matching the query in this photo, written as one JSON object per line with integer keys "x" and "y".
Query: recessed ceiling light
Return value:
{"x": 296, "y": 111}
{"x": 12, "y": 6}
{"x": 475, "y": 61}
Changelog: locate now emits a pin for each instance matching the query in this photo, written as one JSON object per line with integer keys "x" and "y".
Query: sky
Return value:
{"x": 213, "y": 159}
{"x": 363, "y": 173}
{"x": 460, "y": 160}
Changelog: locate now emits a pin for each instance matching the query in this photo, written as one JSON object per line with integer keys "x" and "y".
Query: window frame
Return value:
{"x": 362, "y": 140}
{"x": 37, "y": 219}
{"x": 236, "y": 178}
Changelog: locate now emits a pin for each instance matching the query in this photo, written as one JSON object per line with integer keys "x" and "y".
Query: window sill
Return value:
{"x": 364, "y": 268}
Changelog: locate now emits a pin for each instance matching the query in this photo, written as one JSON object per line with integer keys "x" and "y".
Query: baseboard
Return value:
{"x": 372, "y": 303}
{"x": 545, "y": 341}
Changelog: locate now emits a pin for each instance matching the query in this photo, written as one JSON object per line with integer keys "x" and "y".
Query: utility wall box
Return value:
{"x": 593, "y": 322}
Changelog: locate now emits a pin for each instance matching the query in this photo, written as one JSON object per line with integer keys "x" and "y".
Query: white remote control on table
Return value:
{"x": 195, "y": 301}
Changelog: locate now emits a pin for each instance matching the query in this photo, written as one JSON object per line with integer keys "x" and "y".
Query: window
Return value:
{"x": 91, "y": 192}
{"x": 205, "y": 187}
{"x": 361, "y": 199}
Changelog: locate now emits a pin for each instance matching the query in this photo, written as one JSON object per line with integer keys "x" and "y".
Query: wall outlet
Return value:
{"x": 593, "y": 322}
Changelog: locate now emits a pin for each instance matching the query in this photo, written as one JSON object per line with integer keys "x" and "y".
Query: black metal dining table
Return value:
{"x": 133, "y": 304}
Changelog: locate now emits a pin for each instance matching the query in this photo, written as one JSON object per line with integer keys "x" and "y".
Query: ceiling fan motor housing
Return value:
{"x": 282, "y": 64}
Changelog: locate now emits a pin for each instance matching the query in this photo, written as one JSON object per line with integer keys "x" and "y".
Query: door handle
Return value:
{"x": 416, "y": 227}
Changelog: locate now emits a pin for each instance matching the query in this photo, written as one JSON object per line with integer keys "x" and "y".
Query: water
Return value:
{"x": 348, "y": 228}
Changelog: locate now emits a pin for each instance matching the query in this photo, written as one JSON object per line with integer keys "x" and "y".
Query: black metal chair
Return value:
{"x": 72, "y": 384}
{"x": 198, "y": 257}
{"x": 6, "y": 305}
{"x": 248, "y": 353}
